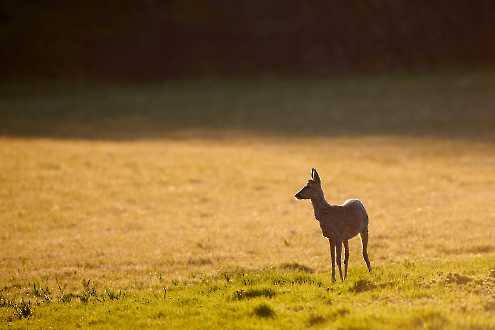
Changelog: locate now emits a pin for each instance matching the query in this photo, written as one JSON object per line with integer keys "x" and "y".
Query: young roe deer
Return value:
{"x": 338, "y": 223}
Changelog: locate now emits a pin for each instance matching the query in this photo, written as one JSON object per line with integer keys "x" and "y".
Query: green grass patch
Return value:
{"x": 408, "y": 295}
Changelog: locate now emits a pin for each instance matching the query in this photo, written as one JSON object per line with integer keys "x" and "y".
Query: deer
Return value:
{"x": 338, "y": 223}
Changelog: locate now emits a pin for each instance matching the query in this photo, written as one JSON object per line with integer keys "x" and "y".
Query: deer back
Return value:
{"x": 344, "y": 221}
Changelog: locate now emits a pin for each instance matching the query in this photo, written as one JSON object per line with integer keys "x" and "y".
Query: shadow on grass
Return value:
{"x": 429, "y": 320}
{"x": 362, "y": 286}
{"x": 296, "y": 267}
{"x": 451, "y": 105}
{"x": 264, "y": 311}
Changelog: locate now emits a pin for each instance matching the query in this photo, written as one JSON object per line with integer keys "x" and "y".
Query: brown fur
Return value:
{"x": 338, "y": 223}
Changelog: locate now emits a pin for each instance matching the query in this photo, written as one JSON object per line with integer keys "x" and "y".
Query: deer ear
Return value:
{"x": 315, "y": 176}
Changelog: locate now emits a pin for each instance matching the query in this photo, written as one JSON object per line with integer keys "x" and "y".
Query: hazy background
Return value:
{"x": 162, "y": 40}
{"x": 155, "y": 68}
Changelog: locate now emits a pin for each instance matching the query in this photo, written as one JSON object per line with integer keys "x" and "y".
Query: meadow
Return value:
{"x": 171, "y": 205}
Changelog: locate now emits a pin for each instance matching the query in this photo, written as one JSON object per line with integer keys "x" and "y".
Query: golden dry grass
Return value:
{"x": 131, "y": 214}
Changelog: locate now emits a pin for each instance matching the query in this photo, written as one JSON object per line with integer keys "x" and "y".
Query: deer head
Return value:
{"x": 312, "y": 189}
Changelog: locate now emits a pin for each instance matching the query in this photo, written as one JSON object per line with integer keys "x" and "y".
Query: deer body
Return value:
{"x": 341, "y": 221}
{"x": 338, "y": 223}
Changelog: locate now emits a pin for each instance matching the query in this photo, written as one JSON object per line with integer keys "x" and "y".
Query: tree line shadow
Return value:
{"x": 448, "y": 105}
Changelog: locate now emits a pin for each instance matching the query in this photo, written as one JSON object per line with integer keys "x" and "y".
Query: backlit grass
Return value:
{"x": 199, "y": 228}
{"x": 133, "y": 213}
{"x": 400, "y": 295}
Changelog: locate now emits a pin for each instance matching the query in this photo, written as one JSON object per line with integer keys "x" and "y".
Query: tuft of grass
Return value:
{"x": 306, "y": 279}
{"x": 454, "y": 278}
{"x": 253, "y": 293}
{"x": 4, "y": 302}
{"x": 116, "y": 295}
{"x": 264, "y": 310}
{"x": 67, "y": 297}
{"x": 23, "y": 309}
{"x": 41, "y": 292}
{"x": 88, "y": 292}
{"x": 297, "y": 279}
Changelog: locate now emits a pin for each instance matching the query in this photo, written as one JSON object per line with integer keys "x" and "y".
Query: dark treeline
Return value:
{"x": 148, "y": 40}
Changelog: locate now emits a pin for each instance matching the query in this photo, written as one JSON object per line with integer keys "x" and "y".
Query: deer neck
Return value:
{"x": 319, "y": 204}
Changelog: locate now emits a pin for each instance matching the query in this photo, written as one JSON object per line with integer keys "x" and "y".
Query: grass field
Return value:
{"x": 198, "y": 228}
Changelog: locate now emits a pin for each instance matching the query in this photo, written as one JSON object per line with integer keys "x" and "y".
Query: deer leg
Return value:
{"x": 332, "y": 257}
{"x": 364, "y": 241}
{"x": 346, "y": 257}
{"x": 338, "y": 247}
